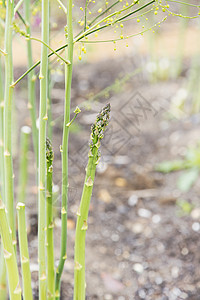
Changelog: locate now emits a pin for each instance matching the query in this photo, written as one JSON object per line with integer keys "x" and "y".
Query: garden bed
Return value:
{"x": 140, "y": 243}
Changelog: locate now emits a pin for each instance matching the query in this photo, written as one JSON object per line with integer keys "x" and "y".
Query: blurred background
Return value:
{"x": 144, "y": 223}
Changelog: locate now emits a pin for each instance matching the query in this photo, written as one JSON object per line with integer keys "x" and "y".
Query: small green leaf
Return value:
{"x": 187, "y": 179}
{"x": 169, "y": 166}
{"x": 193, "y": 156}
{"x": 185, "y": 206}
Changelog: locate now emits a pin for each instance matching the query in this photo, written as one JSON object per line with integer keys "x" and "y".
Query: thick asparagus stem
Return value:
{"x": 9, "y": 255}
{"x": 98, "y": 129}
{"x": 8, "y": 101}
{"x": 24, "y": 255}
{"x": 2, "y": 261}
{"x": 1, "y": 132}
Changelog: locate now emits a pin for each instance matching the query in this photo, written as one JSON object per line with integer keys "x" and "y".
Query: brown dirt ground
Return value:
{"x": 139, "y": 245}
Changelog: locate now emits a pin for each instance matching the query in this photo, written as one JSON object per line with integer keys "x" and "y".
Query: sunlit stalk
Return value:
{"x": 9, "y": 256}
{"x": 24, "y": 255}
{"x": 2, "y": 261}
{"x": 1, "y": 132}
{"x": 2, "y": 185}
{"x": 8, "y": 124}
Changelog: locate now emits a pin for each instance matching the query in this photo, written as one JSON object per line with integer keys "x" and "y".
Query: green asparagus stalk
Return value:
{"x": 98, "y": 129}
{"x": 9, "y": 255}
{"x": 49, "y": 106}
{"x": 49, "y": 100}
{"x": 24, "y": 255}
{"x": 8, "y": 101}
{"x": 68, "y": 81}
{"x": 42, "y": 150}
{"x": 3, "y": 291}
{"x": 1, "y": 132}
{"x": 23, "y": 174}
{"x": 31, "y": 81}
{"x": 50, "y": 224}
{"x": 2, "y": 261}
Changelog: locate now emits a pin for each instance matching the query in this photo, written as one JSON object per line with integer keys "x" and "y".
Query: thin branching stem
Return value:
{"x": 125, "y": 37}
{"x": 103, "y": 12}
{"x": 184, "y": 3}
{"x": 85, "y": 17}
{"x": 19, "y": 3}
{"x": 46, "y": 45}
{"x": 97, "y": 27}
{"x": 93, "y": 29}
{"x": 80, "y": 36}
{"x": 2, "y": 52}
{"x": 62, "y": 6}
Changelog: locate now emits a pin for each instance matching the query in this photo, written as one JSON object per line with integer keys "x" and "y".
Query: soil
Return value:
{"x": 140, "y": 244}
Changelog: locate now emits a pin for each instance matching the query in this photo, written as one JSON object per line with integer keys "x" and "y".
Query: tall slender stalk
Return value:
{"x": 49, "y": 105}
{"x": 31, "y": 82}
{"x": 1, "y": 132}
{"x": 68, "y": 81}
{"x": 2, "y": 261}
{"x": 50, "y": 224}
{"x": 49, "y": 100}
{"x": 23, "y": 165}
{"x": 8, "y": 100}
{"x": 98, "y": 129}
{"x": 24, "y": 255}
{"x": 42, "y": 150}
{"x": 9, "y": 255}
